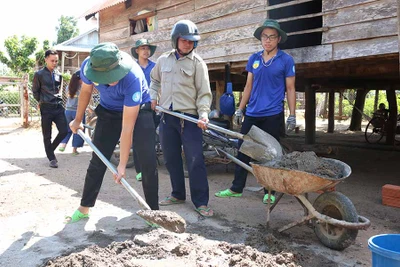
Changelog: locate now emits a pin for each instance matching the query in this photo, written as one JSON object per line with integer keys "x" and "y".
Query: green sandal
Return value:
{"x": 227, "y": 193}
{"x": 76, "y": 217}
{"x": 61, "y": 148}
{"x": 139, "y": 176}
{"x": 272, "y": 199}
{"x": 205, "y": 211}
{"x": 170, "y": 201}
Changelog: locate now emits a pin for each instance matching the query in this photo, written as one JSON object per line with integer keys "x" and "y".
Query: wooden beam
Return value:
{"x": 331, "y": 111}
{"x": 398, "y": 27}
{"x": 308, "y": 16}
{"x": 310, "y": 114}
{"x": 291, "y": 3}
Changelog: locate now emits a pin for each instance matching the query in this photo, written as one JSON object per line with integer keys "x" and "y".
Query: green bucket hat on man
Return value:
{"x": 107, "y": 64}
{"x": 142, "y": 42}
{"x": 270, "y": 23}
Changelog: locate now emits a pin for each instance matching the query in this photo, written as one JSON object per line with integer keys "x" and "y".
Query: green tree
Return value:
{"x": 19, "y": 51}
{"x": 40, "y": 54}
{"x": 66, "y": 29}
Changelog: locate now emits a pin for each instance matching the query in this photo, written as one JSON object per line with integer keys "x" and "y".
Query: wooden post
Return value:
{"x": 25, "y": 102}
{"x": 331, "y": 111}
{"x": 309, "y": 114}
{"x": 356, "y": 116}
{"x": 324, "y": 112}
{"x": 376, "y": 99}
{"x": 340, "y": 105}
{"x": 398, "y": 27}
{"x": 392, "y": 120}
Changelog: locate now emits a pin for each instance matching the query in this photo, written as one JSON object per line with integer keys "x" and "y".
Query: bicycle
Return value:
{"x": 376, "y": 128}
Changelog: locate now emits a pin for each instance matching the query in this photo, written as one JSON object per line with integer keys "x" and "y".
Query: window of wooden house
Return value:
{"x": 302, "y": 22}
{"x": 144, "y": 21}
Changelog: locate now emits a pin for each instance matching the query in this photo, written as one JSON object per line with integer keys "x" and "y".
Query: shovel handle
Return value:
{"x": 111, "y": 167}
{"x": 209, "y": 125}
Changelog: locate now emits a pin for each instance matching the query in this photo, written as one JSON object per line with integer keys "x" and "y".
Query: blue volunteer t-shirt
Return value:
{"x": 147, "y": 71}
{"x": 269, "y": 83}
{"x": 130, "y": 91}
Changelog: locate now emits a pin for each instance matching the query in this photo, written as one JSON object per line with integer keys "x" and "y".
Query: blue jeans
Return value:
{"x": 174, "y": 136}
{"x": 77, "y": 141}
{"x": 271, "y": 125}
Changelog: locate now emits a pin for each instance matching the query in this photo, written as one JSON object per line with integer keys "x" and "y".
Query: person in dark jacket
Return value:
{"x": 46, "y": 90}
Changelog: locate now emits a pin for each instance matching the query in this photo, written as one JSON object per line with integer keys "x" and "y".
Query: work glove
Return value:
{"x": 290, "y": 123}
{"x": 238, "y": 117}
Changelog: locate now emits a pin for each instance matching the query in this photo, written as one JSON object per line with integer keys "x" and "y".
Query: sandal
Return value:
{"x": 205, "y": 211}
{"x": 75, "y": 153}
{"x": 272, "y": 199}
{"x": 61, "y": 148}
{"x": 77, "y": 216}
{"x": 227, "y": 193}
{"x": 170, "y": 201}
{"x": 139, "y": 176}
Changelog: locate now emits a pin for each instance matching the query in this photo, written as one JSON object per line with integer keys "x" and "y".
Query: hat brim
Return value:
{"x": 111, "y": 76}
{"x": 282, "y": 34}
{"x": 152, "y": 50}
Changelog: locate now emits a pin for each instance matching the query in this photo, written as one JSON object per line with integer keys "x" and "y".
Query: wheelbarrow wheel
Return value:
{"x": 337, "y": 206}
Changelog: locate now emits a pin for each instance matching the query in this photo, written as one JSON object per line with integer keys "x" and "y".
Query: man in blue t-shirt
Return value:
{"x": 124, "y": 113}
{"x": 142, "y": 51}
{"x": 271, "y": 73}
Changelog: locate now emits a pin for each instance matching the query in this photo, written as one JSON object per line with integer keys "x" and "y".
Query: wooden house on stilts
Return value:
{"x": 336, "y": 44}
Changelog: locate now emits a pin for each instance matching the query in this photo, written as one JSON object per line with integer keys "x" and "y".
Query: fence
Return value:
{"x": 17, "y": 101}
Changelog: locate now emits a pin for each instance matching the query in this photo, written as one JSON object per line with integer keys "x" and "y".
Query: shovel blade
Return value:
{"x": 260, "y": 145}
{"x": 168, "y": 220}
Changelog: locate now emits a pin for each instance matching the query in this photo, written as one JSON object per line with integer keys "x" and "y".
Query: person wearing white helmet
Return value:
{"x": 183, "y": 76}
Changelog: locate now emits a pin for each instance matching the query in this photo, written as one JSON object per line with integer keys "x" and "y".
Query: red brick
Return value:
{"x": 391, "y": 201}
{"x": 389, "y": 190}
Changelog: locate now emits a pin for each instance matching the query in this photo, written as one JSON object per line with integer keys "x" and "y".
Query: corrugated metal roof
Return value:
{"x": 101, "y": 6}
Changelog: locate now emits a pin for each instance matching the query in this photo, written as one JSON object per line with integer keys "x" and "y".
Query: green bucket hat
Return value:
{"x": 142, "y": 42}
{"x": 107, "y": 64}
{"x": 270, "y": 23}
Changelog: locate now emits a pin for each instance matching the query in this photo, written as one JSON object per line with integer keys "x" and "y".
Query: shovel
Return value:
{"x": 257, "y": 144}
{"x": 166, "y": 219}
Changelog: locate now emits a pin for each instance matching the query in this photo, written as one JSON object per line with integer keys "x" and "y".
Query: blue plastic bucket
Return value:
{"x": 385, "y": 250}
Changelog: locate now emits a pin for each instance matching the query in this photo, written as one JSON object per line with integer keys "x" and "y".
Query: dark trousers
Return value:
{"x": 156, "y": 119}
{"x": 106, "y": 136}
{"x": 52, "y": 113}
{"x": 271, "y": 125}
{"x": 174, "y": 134}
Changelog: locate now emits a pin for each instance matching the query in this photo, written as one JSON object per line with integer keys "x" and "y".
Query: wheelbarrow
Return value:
{"x": 333, "y": 215}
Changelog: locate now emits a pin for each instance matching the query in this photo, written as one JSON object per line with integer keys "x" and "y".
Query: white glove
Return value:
{"x": 291, "y": 123}
{"x": 238, "y": 117}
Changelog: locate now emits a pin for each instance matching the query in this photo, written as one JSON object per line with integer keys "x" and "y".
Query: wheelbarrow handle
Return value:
{"x": 209, "y": 125}
{"x": 111, "y": 167}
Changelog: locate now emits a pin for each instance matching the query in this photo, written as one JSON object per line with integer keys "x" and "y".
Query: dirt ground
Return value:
{"x": 34, "y": 200}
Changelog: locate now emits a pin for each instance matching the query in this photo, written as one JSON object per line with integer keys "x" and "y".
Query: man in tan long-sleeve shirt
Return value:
{"x": 180, "y": 79}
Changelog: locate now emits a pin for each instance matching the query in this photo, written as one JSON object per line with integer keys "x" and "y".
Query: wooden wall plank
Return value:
{"x": 377, "y": 46}
{"x": 205, "y": 3}
{"x": 336, "y": 4}
{"x": 364, "y": 30}
{"x": 162, "y": 4}
{"x": 213, "y": 12}
{"x": 368, "y": 12}
{"x": 311, "y": 54}
{"x": 176, "y": 10}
